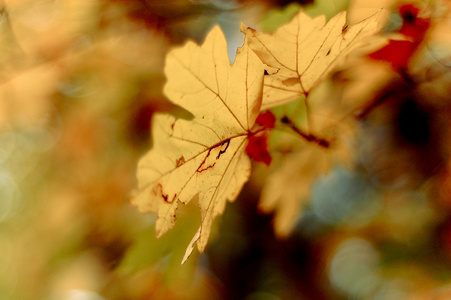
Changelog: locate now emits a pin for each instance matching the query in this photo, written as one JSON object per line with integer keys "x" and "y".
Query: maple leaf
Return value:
{"x": 300, "y": 54}
{"x": 204, "y": 156}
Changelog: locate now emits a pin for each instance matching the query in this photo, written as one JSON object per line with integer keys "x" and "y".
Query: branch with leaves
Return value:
{"x": 209, "y": 155}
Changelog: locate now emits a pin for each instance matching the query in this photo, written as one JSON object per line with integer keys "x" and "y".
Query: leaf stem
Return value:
{"x": 308, "y": 137}
{"x": 252, "y": 133}
{"x": 307, "y": 110}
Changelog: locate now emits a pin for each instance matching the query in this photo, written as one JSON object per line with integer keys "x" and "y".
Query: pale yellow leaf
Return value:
{"x": 203, "y": 156}
{"x": 304, "y": 52}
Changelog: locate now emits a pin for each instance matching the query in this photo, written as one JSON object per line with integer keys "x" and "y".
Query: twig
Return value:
{"x": 308, "y": 137}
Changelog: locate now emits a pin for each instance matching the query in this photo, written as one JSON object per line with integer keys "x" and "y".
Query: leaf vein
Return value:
{"x": 211, "y": 90}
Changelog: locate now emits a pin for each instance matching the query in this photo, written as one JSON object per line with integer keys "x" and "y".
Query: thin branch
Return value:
{"x": 308, "y": 137}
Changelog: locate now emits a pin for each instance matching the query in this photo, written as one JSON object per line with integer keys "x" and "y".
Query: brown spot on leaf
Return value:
{"x": 206, "y": 168}
{"x": 201, "y": 167}
{"x": 222, "y": 151}
{"x": 180, "y": 161}
{"x": 158, "y": 191}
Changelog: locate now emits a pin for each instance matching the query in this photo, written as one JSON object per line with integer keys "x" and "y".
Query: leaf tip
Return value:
{"x": 243, "y": 27}
{"x": 190, "y": 248}
{"x": 158, "y": 232}
{"x": 215, "y": 33}
{"x": 216, "y": 28}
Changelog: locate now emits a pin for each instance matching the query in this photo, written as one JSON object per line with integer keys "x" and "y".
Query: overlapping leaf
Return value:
{"x": 297, "y": 174}
{"x": 203, "y": 156}
{"x": 301, "y": 163}
{"x": 303, "y": 52}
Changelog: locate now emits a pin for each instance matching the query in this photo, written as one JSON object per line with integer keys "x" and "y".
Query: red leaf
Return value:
{"x": 412, "y": 26}
{"x": 266, "y": 119}
{"x": 398, "y": 53}
{"x": 257, "y": 149}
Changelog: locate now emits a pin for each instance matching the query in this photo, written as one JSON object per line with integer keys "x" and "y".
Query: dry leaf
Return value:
{"x": 203, "y": 156}
{"x": 303, "y": 52}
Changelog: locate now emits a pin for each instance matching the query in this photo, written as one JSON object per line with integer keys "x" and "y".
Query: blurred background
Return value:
{"x": 79, "y": 83}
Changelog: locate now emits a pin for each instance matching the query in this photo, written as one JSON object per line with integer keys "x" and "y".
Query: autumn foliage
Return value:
{"x": 277, "y": 149}
{"x": 206, "y": 156}
{"x": 414, "y": 28}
